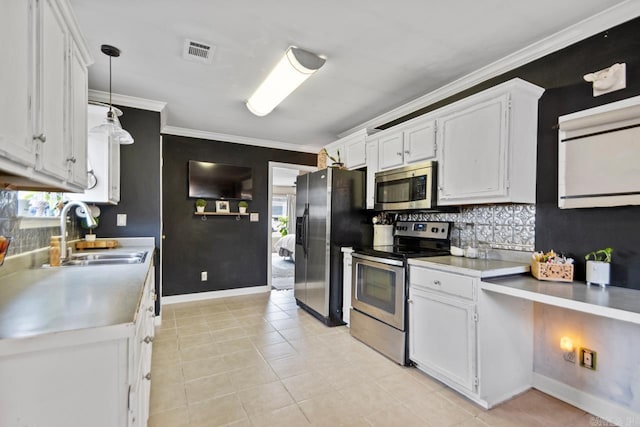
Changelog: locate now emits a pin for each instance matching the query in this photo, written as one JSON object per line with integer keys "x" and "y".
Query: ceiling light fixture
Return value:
{"x": 111, "y": 125}
{"x": 296, "y": 66}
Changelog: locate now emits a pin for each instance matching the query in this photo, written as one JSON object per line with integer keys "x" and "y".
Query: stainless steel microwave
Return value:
{"x": 409, "y": 187}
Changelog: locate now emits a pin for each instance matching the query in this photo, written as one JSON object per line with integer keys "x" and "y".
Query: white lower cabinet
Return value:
{"x": 96, "y": 377}
{"x": 477, "y": 344}
{"x": 346, "y": 284}
{"x": 444, "y": 338}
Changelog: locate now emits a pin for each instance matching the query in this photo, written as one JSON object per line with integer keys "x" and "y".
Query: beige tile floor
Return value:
{"x": 258, "y": 360}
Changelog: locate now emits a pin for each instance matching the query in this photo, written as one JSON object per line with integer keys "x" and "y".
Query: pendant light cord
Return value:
{"x": 110, "y": 104}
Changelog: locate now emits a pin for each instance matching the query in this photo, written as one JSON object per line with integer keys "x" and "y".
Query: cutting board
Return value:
{"x": 97, "y": 244}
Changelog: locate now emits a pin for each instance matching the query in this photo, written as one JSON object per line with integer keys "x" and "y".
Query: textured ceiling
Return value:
{"x": 379, "y": 54}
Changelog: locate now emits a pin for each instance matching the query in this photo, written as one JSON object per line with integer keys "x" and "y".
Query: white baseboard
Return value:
{"x": 201, "y": 296}
{"x": 605, "y": 409}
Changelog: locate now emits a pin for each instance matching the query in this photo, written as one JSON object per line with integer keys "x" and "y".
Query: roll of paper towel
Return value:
{"x": 382, "y": 235}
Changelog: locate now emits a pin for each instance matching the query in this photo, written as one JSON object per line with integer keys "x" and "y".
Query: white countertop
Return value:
{"x": 474, "y": 267}
{"x": 612, "y": 302}
{"x": 48, "y": 300}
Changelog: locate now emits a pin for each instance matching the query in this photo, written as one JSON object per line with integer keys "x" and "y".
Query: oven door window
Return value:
{"x": 378, "y": 290}
{"x": 376, "y": 287}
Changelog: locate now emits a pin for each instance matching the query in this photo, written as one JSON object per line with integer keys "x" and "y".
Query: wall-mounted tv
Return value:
{"x": 219, "y": 181}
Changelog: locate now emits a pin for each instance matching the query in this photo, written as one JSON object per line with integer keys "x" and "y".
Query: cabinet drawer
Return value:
{"x": 439, "y": 281}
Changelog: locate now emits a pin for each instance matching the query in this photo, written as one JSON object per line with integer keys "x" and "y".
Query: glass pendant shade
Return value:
{"x": 111, "y": 125}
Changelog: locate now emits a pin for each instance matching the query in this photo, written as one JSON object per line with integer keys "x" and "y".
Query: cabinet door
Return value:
{"x": 391, "y": 151}
{"x": 372, "y": 168}
{"x": 355, "y": 153}
{"x": 346, "y": 286}
{"x": 419, "y": 142}
{"x": 473, "y": 164}
{"x": 16, "y": 82}
{"x": 114, "y": 171}
{"x": 78, "y": 120}
{"x": 442, "y": 337}
{"x": 53, "y": 92}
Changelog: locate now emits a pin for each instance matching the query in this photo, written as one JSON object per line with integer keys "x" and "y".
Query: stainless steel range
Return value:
{"x": 380, "y": 285}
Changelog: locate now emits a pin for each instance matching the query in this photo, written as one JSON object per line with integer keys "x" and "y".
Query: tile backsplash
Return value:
{"x": 504, "y": 226}
{"x": 26, "y": 239}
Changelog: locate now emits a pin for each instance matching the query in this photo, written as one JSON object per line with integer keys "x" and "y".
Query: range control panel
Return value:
{"x": 427, "y": 230}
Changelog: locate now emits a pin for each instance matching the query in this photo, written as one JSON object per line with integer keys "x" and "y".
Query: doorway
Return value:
{"x": 281, "y": 241}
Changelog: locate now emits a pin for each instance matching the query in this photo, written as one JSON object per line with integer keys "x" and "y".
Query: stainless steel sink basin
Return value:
{"x": 106, "y": 259}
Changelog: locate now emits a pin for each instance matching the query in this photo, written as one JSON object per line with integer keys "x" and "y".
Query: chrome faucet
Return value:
{"x": 91, "y": 222}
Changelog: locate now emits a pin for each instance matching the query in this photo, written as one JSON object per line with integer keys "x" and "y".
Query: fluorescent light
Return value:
{"x": 296, "y": 66}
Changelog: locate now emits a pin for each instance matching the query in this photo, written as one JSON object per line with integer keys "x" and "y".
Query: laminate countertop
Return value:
{"x": 474, "y": 267}
{"x": 49, "y": 300}
{"x": 612, "y": 302}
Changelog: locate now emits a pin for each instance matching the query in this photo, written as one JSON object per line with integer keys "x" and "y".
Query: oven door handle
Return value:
{"x": 387, "y": 261}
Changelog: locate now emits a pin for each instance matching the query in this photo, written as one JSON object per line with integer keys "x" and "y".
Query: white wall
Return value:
{"x": 617, "y": 375}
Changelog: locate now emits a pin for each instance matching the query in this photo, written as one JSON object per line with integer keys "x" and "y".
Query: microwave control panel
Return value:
{"x": 426, "y": 230}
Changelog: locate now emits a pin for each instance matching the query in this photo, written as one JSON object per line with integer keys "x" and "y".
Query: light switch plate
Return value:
{"x": 121, "y": 220}
{"x": 254, "y": 217}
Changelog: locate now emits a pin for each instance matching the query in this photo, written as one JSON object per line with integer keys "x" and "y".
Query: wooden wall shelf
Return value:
{"x": 221, "y": 213}
{"x": 203, "y": 215}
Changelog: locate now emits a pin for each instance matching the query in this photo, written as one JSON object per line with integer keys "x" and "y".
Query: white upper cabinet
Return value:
{"x": 53, "y": 94}
{"x": 350, "y": 150}
{"x": 391, "y": 150}
{"x": 487, "y": 146}
{"x": 39, "y": 137}
{"x": 17, "y": 147}
{"x": 103, "y": 168}
{"x": 408, "y": 143}
{"x": 78, "y": 121}
{"x": 372, "y": 153}
{"x": 419, "y": 141}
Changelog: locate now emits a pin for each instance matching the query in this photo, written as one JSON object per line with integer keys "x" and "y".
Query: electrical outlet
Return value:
{"x": 588, "y": 358}
{"x": 203, "y": 276}
{"x": 121, "y": 220}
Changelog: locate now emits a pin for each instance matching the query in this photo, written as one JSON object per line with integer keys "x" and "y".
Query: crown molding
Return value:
{"x": 223, "y": 137}
{"x": 595, "y": 24}
{"x": 127, "y": 101}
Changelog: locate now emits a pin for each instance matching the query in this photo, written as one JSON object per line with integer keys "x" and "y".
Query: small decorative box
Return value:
{"x": 549, "y": 271}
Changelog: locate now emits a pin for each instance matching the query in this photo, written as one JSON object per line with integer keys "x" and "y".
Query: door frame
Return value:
{"x": 269, "y": 210}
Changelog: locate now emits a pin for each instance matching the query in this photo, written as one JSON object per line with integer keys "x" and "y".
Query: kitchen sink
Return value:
{"x": 106, "y": 259}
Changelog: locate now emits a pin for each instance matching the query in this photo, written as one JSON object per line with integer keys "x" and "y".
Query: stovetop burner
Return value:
{"x": 414, "y": 240}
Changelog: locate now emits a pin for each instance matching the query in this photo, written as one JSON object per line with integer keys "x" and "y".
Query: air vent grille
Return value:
{"x": 198, "y": 51}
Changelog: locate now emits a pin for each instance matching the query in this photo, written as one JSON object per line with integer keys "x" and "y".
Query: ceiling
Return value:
{"x": 379, "y": 56}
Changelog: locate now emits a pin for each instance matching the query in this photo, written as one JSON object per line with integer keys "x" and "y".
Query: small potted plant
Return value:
{"x": 200, "y": 205}
{"x": 599, "y": 268}
{"x": 242, "y": 206}
{"x": 337, "y": 163}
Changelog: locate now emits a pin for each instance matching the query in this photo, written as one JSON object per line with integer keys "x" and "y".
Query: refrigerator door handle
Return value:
{"x": 306, "y": 231}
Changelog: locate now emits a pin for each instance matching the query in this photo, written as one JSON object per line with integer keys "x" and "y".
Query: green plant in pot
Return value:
{"x": 599, "y": 266}
{"x": 242, "y": 206}
{"x": 200, "y": 205}
{"x": 283, "y": 223}
{"x": 337, "y": 162}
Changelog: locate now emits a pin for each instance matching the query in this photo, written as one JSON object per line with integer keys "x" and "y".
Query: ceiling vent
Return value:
{"x": 198, "y": 51}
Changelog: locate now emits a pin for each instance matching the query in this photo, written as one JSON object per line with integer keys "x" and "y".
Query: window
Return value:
{"x": 39, "y": 204}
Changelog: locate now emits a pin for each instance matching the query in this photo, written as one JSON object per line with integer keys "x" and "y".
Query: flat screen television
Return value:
{"x": 219, "y": 181}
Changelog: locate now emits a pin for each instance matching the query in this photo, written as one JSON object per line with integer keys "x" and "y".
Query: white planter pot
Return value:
{"x": 598, "y": 273}
{"x": 242, "y": 210}
{"x": 200, "y": 209}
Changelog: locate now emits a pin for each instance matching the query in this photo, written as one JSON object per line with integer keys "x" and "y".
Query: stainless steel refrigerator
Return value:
{"x": 330, "y": 214}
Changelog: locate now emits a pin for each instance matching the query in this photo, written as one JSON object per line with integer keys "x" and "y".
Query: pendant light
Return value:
{"x": 111, "y": 125}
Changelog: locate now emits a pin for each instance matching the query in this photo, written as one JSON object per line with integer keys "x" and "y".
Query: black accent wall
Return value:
{"x": 139, "y": 183}
{"x": 233, "y": 252}
{"x": 576, "y": 232}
